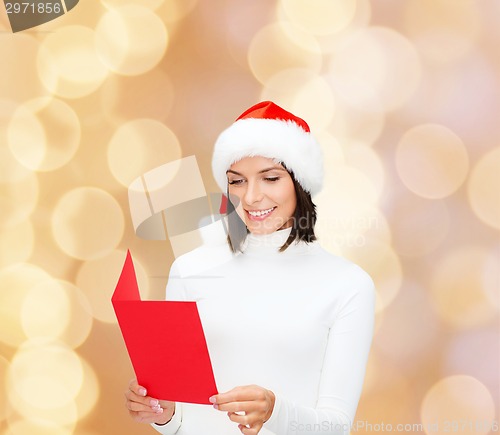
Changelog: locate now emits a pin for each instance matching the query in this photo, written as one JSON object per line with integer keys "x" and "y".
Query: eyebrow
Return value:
{"x": 260, "y": 172}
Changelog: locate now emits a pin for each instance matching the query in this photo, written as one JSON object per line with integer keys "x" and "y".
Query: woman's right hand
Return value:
{"x": 145, "y": 409}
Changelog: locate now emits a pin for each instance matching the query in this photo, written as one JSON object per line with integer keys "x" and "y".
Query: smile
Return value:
{"x": 260, "y": 214}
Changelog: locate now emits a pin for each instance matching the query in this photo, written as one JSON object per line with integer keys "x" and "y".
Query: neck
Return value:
{"x": 269, "y": 244}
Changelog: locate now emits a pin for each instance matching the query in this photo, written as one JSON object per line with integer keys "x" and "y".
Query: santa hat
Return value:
{"x": 270, "y": 131}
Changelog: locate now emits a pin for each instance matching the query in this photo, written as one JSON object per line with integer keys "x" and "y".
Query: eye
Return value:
{"x": 234, "y": 181}
{"x": 272, "y": 178}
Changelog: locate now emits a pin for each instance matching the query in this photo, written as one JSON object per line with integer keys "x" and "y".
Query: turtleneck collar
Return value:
{"x": 264, "y": 244}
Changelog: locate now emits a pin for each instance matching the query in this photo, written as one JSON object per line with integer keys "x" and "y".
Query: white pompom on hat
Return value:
{"x": 270, "y": 131}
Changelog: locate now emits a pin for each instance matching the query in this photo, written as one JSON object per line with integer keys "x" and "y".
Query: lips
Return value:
{"x": 259, "y": 217}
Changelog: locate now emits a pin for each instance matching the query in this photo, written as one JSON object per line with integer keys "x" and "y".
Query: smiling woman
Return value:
{"x": 279, "y": 371}
{"x": 267, "y": 184}
{"x": 266, "y": 200}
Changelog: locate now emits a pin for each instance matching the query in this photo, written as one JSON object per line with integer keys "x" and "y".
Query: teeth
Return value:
{"x": 260, "y": 213}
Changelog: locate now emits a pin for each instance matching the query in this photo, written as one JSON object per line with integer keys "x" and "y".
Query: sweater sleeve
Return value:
{"x": 349, "y": 341}
{"x": 174, "y": 292}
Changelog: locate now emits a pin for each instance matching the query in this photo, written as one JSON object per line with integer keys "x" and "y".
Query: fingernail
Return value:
{"x": 212, "y": 399}
{"x": 153, "y": 402}
{"x": 216, "y": 406}
{"x": 142, "y": 391}
{"x": 159, "y": 411}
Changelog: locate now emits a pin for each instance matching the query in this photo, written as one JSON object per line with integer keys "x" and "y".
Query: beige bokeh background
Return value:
{"x": 404, "y": 96}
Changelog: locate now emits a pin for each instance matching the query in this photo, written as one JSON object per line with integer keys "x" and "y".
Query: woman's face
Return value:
{"x": 263, "y": 194}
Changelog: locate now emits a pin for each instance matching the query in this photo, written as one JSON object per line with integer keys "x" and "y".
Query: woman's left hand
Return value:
{"x": 256, "y": 402}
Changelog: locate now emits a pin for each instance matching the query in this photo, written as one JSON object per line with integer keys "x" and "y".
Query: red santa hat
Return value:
{"x": 270, "y": 131}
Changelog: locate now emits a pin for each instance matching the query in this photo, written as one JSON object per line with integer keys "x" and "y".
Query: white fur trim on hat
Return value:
{"x": 276, "y": 139}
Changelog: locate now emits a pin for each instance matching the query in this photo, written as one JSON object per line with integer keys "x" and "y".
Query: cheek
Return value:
{"x": 235, "y": 200}
{"x": 288, "y": 197}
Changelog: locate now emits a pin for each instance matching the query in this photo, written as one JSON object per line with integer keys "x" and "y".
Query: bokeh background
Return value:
{"x": 403, "y": 95}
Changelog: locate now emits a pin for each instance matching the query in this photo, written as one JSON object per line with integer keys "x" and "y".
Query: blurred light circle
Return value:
{"x": 442, "y": 30}
{"x": 348, "y": 185}
{"x": 19, "y": 79}
{"x": 446, "y": 96}
{"x": 16, "y": 281}
{"x": 477, "y": 353}
{"x": 87, "y": 223}
{"x": 345, "y": 204}
{"x": 376, "y": 226}
{"x": 123, "y": 45}
{"x": 403, "y": 337}
{"x": 139, "y": 146}
{"x": 457, "y": 403}
{"x": 16, "y": 243}
{"x": 432, "y": 161}
{"x": 98, "y": 278}
{"x": 483, "y": 188}
{"x": 305, "y": 93}
{"x": 333, "y": 152}
{"x": 355, "y": 124}
{"x": 18, "y": 200}
{"x": 54, "y": 417}
{"x": 45, "y": 374}
{"x": 348, "y": 228}
{"x": 388, "y": 380}
{"x": 68, "y": 64}
{"x": 26, "y": 138}
{"x": 148, "y": 95}
{"x": 314, "y": 100}
{"x": 238, "y": 33}
{"x": 151, "y": 4}
{"x": 375, "y": 69}
{"x": 173, "y": 11}
{"x": 44, "y": 134}
{"x": 45, "y": 310}
{"x": 409, "y": 218}
{"x": 280, "y": 46}
{"x": 24, "y": 427}
{"x": 283, "y": 85}
{"x": 10, "y": 169}
{"x": 321, "y": 17}
{"x": 458, "y": 297}
{"x": 491, "y": 277}
{"x": 329, "y": 42}
{"x": 4, "y": 405}
{"x": 366, "y": 160}
{"x": 80, "y": 311}
{"x": 68, "y": 414}
{"x": 89, "y": 393}
{"x": 382, "y": 264}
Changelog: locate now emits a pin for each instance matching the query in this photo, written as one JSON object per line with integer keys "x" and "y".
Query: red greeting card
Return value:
{"x": 165, "y": 342}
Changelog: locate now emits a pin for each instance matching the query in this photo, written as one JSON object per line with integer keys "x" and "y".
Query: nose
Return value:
{"x": 253, "y": 192}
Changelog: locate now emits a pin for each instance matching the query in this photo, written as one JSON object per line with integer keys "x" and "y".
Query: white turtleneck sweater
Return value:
{"x": 298, "y": 323}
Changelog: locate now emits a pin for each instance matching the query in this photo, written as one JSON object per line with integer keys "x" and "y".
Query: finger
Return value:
{"x": 136, "y": 388}
{"x": 248, "y": 430}
{"x": 238, "y": 394}
{"x": 238, "y": 406}
{"x": 148, "y": 401}
{"x": 139, "y": 407}
{"x": 238, "y": 418}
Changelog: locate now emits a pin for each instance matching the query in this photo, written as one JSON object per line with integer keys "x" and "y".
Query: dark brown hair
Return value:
{"x": 303, "y": 220}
